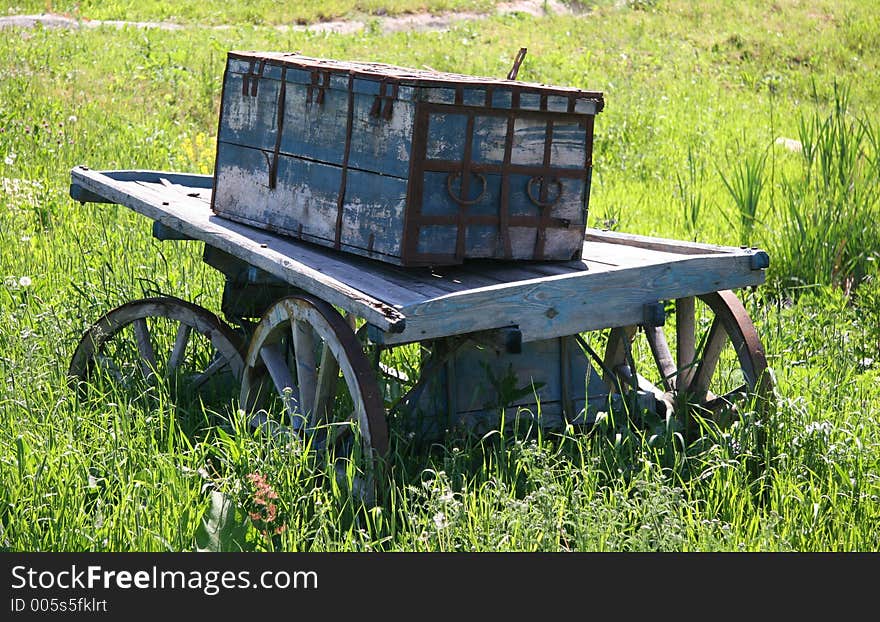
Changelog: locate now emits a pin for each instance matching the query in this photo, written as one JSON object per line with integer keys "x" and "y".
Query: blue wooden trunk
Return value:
{"x": 407, "y": 166}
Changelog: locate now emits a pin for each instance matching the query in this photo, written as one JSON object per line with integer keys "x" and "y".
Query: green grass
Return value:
{"x": 692, "y": 89}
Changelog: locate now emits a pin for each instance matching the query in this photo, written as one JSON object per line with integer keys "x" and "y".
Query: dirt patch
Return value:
{"x": 415, "y": 21}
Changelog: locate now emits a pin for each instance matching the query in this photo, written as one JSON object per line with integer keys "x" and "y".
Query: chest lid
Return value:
{"x": 415, "y": 84}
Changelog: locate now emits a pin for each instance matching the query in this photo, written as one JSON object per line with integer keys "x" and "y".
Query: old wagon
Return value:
{"x": 324, "y": 336}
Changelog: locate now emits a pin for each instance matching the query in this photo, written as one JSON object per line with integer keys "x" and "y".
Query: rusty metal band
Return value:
{"x": 255, "y": 82}
{"x": 459, "y": 95}
{"x": 517, "y": 62}
{"x": 541, "y": 235}
{"x": 490, "y": 219}
{"x": 523, "y": 113}
{"x": 325, "y": 84}
{"x": 447, "y": 166}
{"x": 504, "y": 198}
{"x": 415, "y": 187}
{"x": 465, "y": 187}
{"x": 279, "y": 130}
{"x": 340, "y": 199}
{"x": 375, "y": 111}
{"x": 246, "y": 78}
{"x": 389, "y": 101}
{"x": 218, "y": 142}
{"x": 313, "y": 84}
{"x": 588, "y": 124}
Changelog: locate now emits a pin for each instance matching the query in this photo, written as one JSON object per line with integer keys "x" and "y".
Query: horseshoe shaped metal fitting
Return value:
{"x": 536, "y": 200}
{"x": 459, "y": 200}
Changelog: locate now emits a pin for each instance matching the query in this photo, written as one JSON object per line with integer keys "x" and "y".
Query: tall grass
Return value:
{"x": 827, "y": 217}
{"x": 128, "y": 475}
{"x": 743, "y": 176}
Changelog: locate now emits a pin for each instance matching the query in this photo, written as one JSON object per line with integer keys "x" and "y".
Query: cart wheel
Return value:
{"x": 305, "y": 358}
{"x": 712, "y": 366}
{"x": 122, "y": 350}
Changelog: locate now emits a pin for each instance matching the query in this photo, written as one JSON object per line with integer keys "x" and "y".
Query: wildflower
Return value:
{"x": 71, "y": 118}
{"x": 24, "y": 281}
{"x": 264, "y": 511}
{"x": 9, "y": 160}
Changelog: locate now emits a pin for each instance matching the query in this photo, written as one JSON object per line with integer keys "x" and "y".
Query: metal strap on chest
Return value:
{"x": 251, "y": 80}
{"x": 343, "y": 178}
{"x": 319, "y": 84}
{"x": 279, "y": 129}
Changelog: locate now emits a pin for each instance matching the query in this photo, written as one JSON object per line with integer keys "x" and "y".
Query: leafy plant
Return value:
{"x": 743, "y": 176}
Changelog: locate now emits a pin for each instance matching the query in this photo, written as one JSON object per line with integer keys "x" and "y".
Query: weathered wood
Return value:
{"x": 421, "y": 305}
{"x": 179, "y": 349}
{"x": 475, "y": 384}
{"x": 306, "y": 366}
{"x": 297, "y": 264}
{"x": 145, "y": 347}
{"x": 553, "y": 306}
{"x": 709, "y": 358}
{"x": 662, "y": 356}
{"x": 667, "y": 245}
{"x": 685, "y": 341}
{"x": 285, "y": 385}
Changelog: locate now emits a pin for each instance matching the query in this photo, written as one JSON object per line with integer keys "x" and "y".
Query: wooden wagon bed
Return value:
{"x": 611, "y": 287}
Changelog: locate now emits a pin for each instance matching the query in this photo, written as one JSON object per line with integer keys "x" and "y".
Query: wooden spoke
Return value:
{"x": 662, "y": 356}
{"x": 306, "y": 367}
{"x": 325, "y": 390}
{"x": 145, "y": 347}
{"x": 709, "y": 358}
{"x": 179, "y": 349}
{"x": 685, "y": 342}
{"x": 215, "y": 367}
{"x": 285, "y": 385}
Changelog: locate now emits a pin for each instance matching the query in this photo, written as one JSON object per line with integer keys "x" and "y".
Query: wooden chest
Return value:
{"x": 406, "y": 166}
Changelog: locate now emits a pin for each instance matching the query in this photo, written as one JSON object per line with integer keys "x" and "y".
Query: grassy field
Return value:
{"x": 698, "y": 96}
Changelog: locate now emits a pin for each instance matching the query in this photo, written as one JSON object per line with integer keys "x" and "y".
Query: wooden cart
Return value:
{"x": 311, "y": 333}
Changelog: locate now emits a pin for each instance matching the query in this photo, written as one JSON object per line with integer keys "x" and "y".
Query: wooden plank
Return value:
{"x": 567, "y": 304}
{"x": 660, "y": 244}
{"x": 323, "y": 273}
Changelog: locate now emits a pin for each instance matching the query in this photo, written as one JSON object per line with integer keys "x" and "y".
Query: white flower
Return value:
{"x": 10, "y": 159}
{"x": 440, "y": 520}
{"x": 71, "y": 118}
{"x": 24, "y": 281}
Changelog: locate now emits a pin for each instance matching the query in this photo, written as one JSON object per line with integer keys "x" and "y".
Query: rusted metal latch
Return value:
{"x": 387, "y": 95}
{"x": 320, "y": 82}
{"x": 511, "y": 75}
